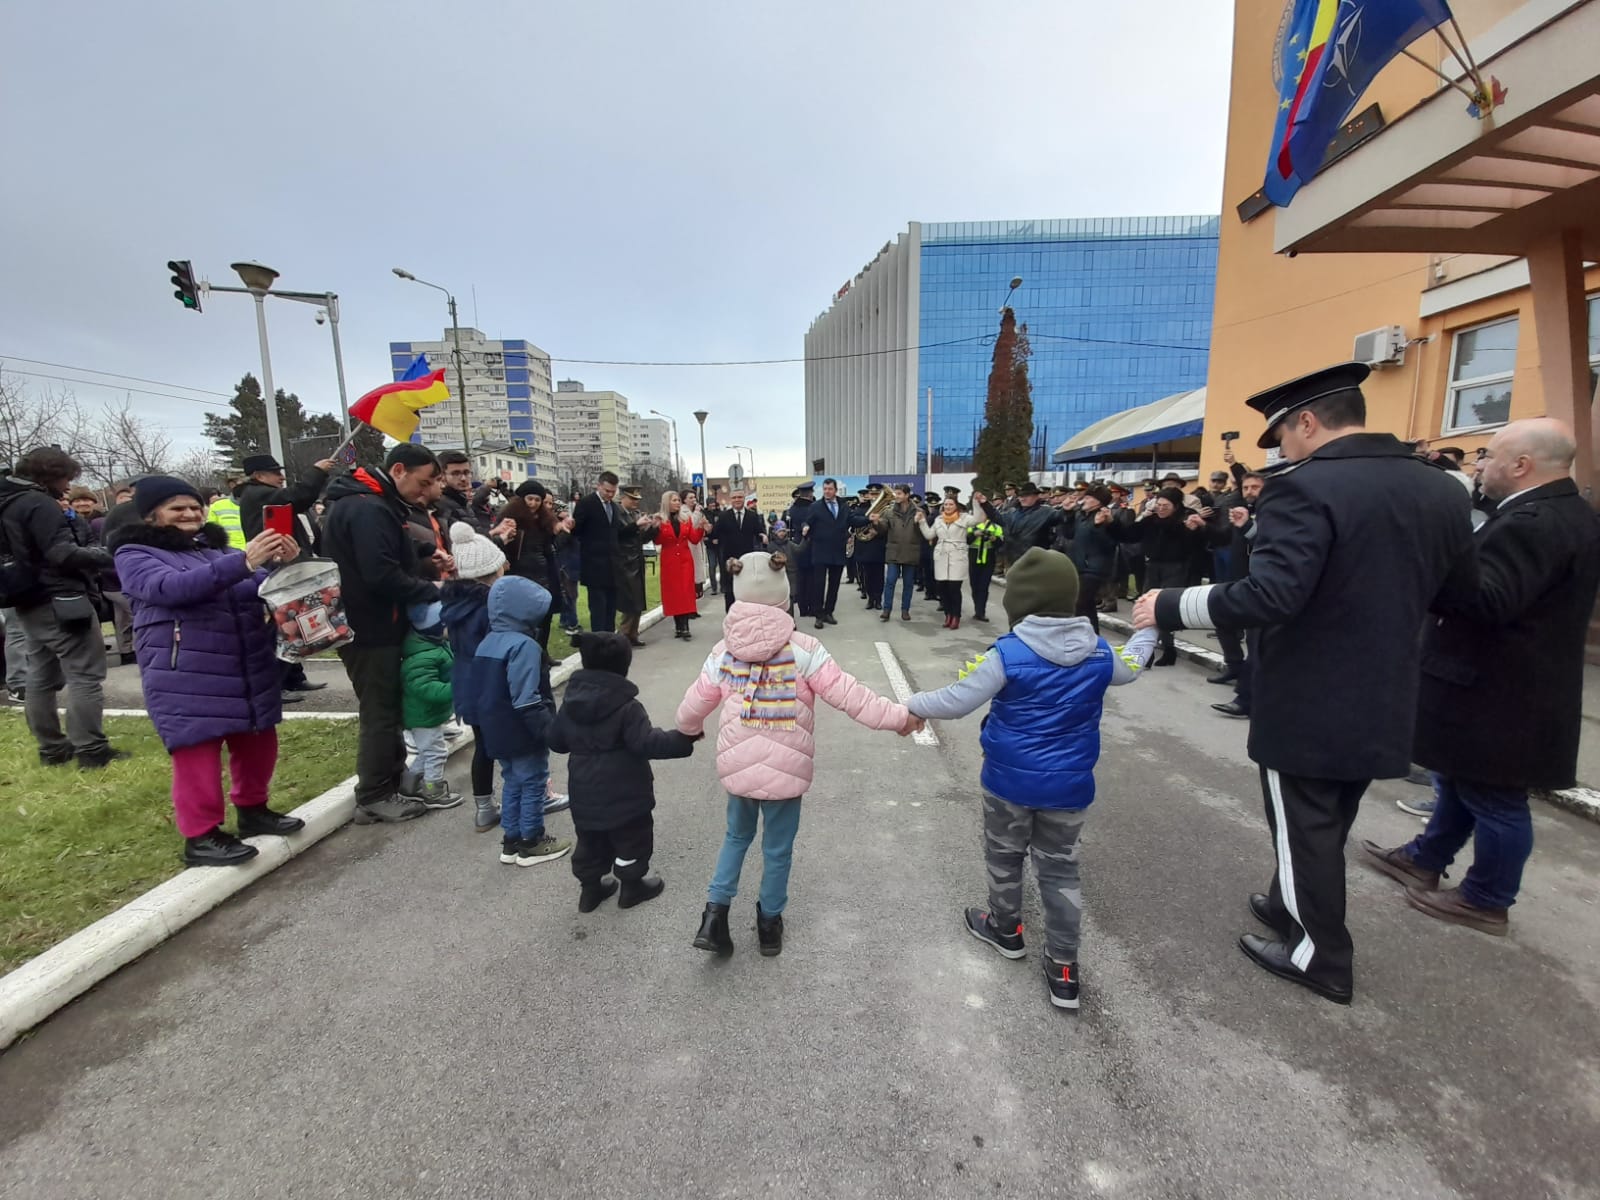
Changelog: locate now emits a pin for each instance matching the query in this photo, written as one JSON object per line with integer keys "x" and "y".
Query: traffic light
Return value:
{"x": 183, "y": 279}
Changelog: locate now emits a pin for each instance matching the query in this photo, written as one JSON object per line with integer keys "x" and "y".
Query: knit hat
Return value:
{"x": 1042, "y": 583}
{"x": 425, "y": 618}
{"x": 532, "y": 487}
{"x": 151, "y": 492}
{"x": 604, "y": 652}
{"x": 761, "y": 578}
{"x": 476, "y": 556}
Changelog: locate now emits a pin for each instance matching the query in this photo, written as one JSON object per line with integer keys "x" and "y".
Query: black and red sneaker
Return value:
{"x": 982, "y": 926}
{"x": 1062, "y": 979}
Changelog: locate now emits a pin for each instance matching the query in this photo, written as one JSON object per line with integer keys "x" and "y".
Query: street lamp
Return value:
{"x": 257, "y": 280}
{"x": 1016, "y": 282}
{"x": 330, "y": 313}
{"x": 705, "y": 476}
{"x": 455, "y": 336}
{"x": 673, "y": 468}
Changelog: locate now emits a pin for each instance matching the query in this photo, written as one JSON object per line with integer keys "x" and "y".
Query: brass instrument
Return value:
{"x": 881, "y": 505}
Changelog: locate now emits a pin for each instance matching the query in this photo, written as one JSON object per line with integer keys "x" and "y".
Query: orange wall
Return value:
{"x": 1277, "y": 317}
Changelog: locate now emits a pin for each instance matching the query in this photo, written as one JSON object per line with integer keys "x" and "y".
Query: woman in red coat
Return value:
{"x": 675, "y": 534}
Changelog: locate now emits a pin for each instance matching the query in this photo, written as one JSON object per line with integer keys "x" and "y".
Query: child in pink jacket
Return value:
{"x": 767, "y": 678}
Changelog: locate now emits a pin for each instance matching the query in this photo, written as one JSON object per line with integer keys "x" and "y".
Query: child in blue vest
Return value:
{"x": 1044, "y": 682}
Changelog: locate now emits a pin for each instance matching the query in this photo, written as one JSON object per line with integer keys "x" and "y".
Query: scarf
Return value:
{"x": 768, "y": 698}
{"x": 951, "y": 518}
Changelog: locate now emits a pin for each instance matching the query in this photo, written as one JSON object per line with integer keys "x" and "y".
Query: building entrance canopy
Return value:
{"x": 1172, "y": 419}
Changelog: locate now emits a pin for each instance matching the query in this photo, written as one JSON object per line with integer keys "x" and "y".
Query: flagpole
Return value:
{"x": 1451, "y": 82}
{"x": 350, "y": 437}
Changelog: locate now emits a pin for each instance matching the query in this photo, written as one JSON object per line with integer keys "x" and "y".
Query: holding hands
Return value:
{"x": 1144, "y": 610}
{"x": 913, "y": 725}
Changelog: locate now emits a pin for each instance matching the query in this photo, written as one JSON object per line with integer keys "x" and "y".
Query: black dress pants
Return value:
{"x": 623, "y": 851}
{"x": 980, "y": 577}
{"x": 1089, "y": 599}
{"x": 872, "y": 582}
{"x": 603, "y": 610}
{"x": 825, "y": 588}
{"x": 807, "y": 577}
{"x": 1310, "y": 821}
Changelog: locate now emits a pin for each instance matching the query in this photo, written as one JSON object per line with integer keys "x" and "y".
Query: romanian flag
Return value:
{"x": 393, "y": 408}
{"x": 1328, "y": 53}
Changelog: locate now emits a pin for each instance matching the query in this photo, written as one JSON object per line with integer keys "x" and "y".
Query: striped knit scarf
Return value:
{"x": 766, "y": 689}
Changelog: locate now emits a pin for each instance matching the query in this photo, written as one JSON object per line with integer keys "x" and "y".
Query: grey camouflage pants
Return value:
{"x": 1009, "y": 833}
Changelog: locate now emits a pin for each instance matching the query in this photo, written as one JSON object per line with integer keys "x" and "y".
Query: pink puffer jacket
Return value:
{"x": 767, "y": 678}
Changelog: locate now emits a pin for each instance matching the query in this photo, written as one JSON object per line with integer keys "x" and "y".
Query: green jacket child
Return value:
{"x": 425, "y": 664}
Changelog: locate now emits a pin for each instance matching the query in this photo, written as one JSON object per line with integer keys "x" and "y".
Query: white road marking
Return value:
{"x": 902, "y": 691}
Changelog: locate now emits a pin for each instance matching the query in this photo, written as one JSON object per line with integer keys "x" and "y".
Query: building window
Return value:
{"x": 1594, "y": 342}
{"x": 1482, "y": 361}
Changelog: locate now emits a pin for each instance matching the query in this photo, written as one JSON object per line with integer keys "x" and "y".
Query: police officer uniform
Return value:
{"x": 804, "y": 497}
{"x": 1338, "y": 667}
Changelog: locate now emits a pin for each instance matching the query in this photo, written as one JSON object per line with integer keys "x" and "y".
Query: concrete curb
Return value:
{"x": 40, "y": 986}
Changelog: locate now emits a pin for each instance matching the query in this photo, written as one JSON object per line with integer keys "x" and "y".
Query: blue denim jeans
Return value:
{"x": 780, "y": 820}
{"x": 893, "y": 574}
{"x": 523, "y": 782}
{"x": 1501, "y": 829}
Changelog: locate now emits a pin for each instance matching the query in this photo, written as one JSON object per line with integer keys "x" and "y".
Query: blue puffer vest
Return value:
{"x": 1042, "y": 736}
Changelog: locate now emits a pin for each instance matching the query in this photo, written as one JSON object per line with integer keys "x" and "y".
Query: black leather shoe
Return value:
{"x": 1169, "y": 658}
{"x": 714, "y": 935}
{"x": 590, "y": 895}
{"x": 1232, "y": 708}
{"x": 820, "y": 622}
{"x": 830, "y": 618}
{"x": 304, "y": 685}
{"x": 769, "y": 932}
{"x": 1273, "y": 956}
{"x": 1261, "y": 910}
{"x": 94, "y": 760}
{"x": 1228, "y": 675}
{"x": 260, "y": 819}
{"x": 216, "y": 849}
{"x": 637, "y": 891}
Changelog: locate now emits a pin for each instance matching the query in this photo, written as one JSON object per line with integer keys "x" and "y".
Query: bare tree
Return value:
{"x": 29, "y": 418}
{"x": 200, "y": 467}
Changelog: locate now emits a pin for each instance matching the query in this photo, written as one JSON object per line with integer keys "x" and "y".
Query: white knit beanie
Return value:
{"x": 761, "y": 578}
{"x": 476, "y": 556}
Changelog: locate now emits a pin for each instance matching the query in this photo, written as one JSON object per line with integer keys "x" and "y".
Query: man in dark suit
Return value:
{"x": 1501, "y": 703}
{"x": 738, "y": 531}
{"x": 1336, "y": 676}
{"x": 594, "y": 525}
{"x": 826, "y": 527}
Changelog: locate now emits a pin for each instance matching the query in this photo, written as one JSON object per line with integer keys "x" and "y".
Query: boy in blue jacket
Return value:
{"x": 1045, "y": 683}
{"x": 514, "y": 719}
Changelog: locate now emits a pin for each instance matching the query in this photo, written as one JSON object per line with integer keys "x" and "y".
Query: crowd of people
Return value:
{"x": 450, "y": 592}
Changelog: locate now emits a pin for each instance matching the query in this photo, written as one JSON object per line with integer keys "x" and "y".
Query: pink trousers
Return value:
{"x": 197, "y": 778}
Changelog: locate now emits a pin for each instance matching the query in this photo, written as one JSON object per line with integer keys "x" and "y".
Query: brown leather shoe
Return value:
{"x": 1450, "y": 905}
{"x": 1397, "y": 865}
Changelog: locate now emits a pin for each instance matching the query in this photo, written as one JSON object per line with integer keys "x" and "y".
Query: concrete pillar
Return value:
{"x": 1560, "y": 318}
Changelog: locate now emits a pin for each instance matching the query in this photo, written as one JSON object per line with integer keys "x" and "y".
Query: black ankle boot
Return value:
{"x": 714, "y": 935}
{"x": 637, "y": 891}
{"x": 1169, "y": 658}
{"x": 769, "y": 932}
{"x": 258, "y": 819}
{"x": 590, "y": 895}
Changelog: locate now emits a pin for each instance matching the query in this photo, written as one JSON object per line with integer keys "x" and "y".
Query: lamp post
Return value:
{"x": 673, "y": 469}
{"x": 455, "y": 337}
{"x": 751, "y": 451}
{"x": 257, "y": 280}
{"x": 1016, "y": 282}
{"x": 330, "y": 313}
{"x": 705, "y": 476}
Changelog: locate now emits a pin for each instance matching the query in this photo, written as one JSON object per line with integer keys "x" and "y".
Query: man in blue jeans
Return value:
{"x": 903, "y": 542}
{"x": 1501, "y": 694}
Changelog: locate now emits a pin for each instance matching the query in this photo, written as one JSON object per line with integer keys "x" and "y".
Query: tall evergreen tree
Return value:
{"x": 1003, "y": 449}
{"x": 243, "y": 431}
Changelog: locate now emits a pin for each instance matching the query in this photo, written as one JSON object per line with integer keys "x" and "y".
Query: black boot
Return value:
{"x": 769, "y": 932}
{"x": 259, "y": 819}
{"x": 714, "y": 933}
{"x": 216, "y": 849}
{"x": 591, "y": 895}
{"x": 637, "y": 891}
{"x": 1169, "y": 658}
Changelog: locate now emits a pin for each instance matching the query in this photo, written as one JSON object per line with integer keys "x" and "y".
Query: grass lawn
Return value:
{"x": 560, "y": 647}
{"x": 74, "y": 845}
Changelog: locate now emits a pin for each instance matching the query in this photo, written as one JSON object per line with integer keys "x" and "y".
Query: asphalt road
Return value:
{"x": 397, "y": 1015}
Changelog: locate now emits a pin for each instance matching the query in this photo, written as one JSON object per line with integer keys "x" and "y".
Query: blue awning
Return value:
{"x": 1170, "y": 419}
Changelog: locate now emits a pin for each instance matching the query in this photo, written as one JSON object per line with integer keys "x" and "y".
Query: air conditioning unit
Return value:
{"x": 1384, "y": 347}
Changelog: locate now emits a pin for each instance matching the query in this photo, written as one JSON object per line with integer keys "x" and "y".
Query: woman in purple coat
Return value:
{"x": 207, "y": 661}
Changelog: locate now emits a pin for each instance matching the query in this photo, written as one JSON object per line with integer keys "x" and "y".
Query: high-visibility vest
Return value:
{"x": 225, "y": 512}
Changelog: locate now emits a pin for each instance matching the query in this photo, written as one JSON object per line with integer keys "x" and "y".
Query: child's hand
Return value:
{"x": 913, "y": 724}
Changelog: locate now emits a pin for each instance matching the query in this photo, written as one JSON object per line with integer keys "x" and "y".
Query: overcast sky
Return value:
{"x": 616, "y": 180}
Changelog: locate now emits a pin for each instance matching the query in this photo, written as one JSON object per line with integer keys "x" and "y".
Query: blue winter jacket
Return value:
{"x": 464, "y": 605}
{"x": 1045, "y": 683}
{"x": 512, "y": 716}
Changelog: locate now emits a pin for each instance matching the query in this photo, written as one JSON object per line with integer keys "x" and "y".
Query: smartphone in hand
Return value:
{"x": 279, "y": 518}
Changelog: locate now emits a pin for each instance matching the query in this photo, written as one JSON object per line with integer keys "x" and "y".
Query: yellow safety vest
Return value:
{"x": 225, "y": 512}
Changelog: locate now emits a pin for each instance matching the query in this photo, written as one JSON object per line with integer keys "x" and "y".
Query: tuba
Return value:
{"x": 881, "y": 505}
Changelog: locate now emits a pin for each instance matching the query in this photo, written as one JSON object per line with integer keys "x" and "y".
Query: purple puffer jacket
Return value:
{"x": 206, "y": 649}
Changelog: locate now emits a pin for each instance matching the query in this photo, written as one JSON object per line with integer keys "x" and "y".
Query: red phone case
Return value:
{"x": 279, "y": 518}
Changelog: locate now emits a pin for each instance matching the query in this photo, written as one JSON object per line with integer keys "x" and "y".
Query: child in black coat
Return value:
{"x": 608, "y": 736}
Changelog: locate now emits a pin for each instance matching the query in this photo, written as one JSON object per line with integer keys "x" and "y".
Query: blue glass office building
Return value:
{"x": 1118, "y": 313}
